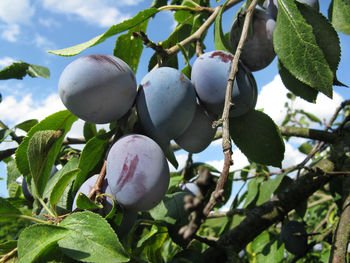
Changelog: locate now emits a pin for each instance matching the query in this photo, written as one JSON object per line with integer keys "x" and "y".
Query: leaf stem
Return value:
{"x": 34, "y": 219}
{"x": 53, "y": 214}
{"x": 8, "y": 255}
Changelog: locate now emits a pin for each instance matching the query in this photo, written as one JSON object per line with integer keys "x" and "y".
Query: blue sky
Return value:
{"x": 29, "y": 28}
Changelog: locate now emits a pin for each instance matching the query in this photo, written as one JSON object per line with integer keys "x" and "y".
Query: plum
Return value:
{"x": 86, "y": 188}
{"x": 210, "y": 73}
{"x": 166, "y": 103}
{"x": 199, "y": 134}
{"x": 272, "y": 6}
{"x": 258, "y": 50}
{"x": 294, "y": 236}
{"x": 137, "y": 172}
{"x": 98, "y": 88}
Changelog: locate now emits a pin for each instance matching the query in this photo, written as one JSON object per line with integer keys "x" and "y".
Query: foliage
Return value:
{"x": 180, "y": 228}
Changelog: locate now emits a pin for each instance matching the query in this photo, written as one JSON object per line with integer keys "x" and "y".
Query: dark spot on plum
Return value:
{"x": 100, "y": 58}
{"x": 223, "y": 56}
{"x": 134, "y": 137}
{"x": 146, "y": 84}
{"x": 128, "y": 171}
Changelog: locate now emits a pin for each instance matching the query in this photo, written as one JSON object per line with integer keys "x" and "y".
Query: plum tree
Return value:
{"x": 258, "y": 50}
{"x": 294, "y": 236}
{"x": 209, "y": 75}
{"x": 272, "y": 6}
{"x": 199, "y": 134}
{"x": 92, "y": 79}
{"x": 137, "y": 172}
{"x": 166, "y": 104}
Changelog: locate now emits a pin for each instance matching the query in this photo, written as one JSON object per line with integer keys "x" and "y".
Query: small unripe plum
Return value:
{"x": 97, "y": 88}
{"x": 294, "y": 236}
{"x": 199, "y": 134}
{"x": 258, "y": 50}
{"x": 137, "y": 172}
{"x": 166, "y": 104}
{"x": 86, "y": 188}
{"x": 210, "y": 73}
{"x": 272, "y": 6}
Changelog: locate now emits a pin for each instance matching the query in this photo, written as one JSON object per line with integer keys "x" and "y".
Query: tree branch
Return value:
{"x": 312, "y": 134}
{"x": 263, "y": 216}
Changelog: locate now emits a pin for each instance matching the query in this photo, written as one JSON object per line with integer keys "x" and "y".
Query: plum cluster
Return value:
{"x": 170, "y": 106}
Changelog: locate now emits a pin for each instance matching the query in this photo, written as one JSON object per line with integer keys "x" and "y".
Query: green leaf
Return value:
{"x": 152, "y": 232}
{"x": 61, "y": 120}
{"x": 7, "y": 246}
{"x": 128, "y": 48}
{"x": 66, "y": 200}
{"x": 39, "y": 147}
{"x": 267, "y": 189}
{"x": 340, "y": 15}
{"x": 171, "y": 209}
{"x": 12, "y": 172}
{"x": 219, "y": 38}
{"x": 14, "y": 190}
{"x": 7, "y": 208}
{"x": 326, "y": 37}
{"x": 260, "y": 242}
{"x": 296, "y": 86}
{"x": 296, "y": 46}
{"x": 113, "y": 30}
{"x": 4, "y": 133}
{"x": 258, "y": 137}
{"x": 311, "y": 117}
{"x": 89, "y": 130}
{"x": 273, "y": 251}
{"x": 84, "y": 202}
{"x": 305, "y": 148}
{"x": 91, "y": 239}
{"x": 159, "y": 3}
{"x": 20, "y": 69}
{"x": 253, "y": 190}
{"x": 91, "y": 155}
{"x": 36, "y": 239}
{"x": 26, "y": 125}
{"x": 61, "y": 185}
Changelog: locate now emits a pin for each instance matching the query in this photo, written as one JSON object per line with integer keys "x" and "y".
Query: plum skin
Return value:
{"x": 137, "y": 172}
{"x": 210, "y": 73}
{"x": 294, "y": 236}
{"x": 258, "y": 50}
{"x": 199, "y": 134}
{"x": 97, "y": 88}
{"x": 166, "y": 104}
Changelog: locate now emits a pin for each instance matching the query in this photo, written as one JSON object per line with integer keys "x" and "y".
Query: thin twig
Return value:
{"x": 96, "y": 190}
{"x": 8, "y": 255}
{"x": 226, "y": 140}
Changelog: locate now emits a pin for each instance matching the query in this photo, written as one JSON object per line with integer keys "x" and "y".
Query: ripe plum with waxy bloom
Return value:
{"x": 98, "y": 88}
{"x": 137, "y": 172}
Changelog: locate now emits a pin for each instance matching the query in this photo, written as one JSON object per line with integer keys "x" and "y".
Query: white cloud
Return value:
{"x": 16, "y": 11}
{"x": 5, "y": 61}
{"x": 48, "y": 22}
{"x": 273, "y": 96}
{"x": 42, "y": 42}
{"x": 14, "y": 110}
{"x": 10, "y": 32}
{"x": 102, "y": 13}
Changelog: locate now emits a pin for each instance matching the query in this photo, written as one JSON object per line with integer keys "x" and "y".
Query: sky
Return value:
{"x": 28, "y": 29}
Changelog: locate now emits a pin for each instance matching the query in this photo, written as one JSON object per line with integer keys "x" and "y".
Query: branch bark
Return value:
{"x": 263, "y": 216}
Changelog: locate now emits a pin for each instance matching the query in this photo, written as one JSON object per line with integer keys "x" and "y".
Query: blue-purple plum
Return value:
{"x": 258, "y": 50}
{"x": 294, "y": 236}
{"x": 166, "y": 104}
{"x": 137, "y": 172}
{"x": 272, "y": 6}
{"x": 210, "y": 73}
{"x": 98, "y": 88}
{"x": 86, "y": 188}
{"x": 199, "y": 134}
